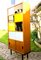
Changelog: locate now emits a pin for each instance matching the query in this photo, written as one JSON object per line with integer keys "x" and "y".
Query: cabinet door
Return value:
{"x": 11, "y": 26}
{"x": 19, "y": 47}
{"x": 11, "y": 44}
{"x": 18, "y": 17}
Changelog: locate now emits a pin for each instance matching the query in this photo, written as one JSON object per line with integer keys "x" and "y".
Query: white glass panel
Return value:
{"x": 11, "y": 11}
{"x": 16, "y": 36}
{"x": 11, "y": 18}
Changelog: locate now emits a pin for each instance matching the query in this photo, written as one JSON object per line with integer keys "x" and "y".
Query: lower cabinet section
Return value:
{"x": 11, "y": 44}
{"x": 22, "y": 47}
{"x": 16, "y": 46}
{"x": 19, "y": 47}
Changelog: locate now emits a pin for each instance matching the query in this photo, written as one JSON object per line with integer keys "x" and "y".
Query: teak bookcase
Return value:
{"x": 19, "y": 28}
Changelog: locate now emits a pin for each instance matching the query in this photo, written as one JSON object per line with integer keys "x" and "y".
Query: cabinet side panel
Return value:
{"x": 26, "y": 31}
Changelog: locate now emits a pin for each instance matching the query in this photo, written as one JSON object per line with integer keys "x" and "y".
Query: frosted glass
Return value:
{"x": 11, "y": 11}
{"x": 16, "y": 36}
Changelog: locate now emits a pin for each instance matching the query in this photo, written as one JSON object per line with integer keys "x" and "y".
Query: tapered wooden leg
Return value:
{"x": 22, "y": 57}
{"x": 11, "y": 51}
{"x": 27, "y": 55}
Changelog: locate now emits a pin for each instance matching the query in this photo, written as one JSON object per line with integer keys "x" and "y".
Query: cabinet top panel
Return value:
{"x": 22, "y": 7}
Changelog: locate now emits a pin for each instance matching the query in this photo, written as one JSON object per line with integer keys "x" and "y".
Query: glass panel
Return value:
{"x": 11, "y": 18}
{"x": 18, "y": 17}
{"x": 11, "y": 26}
{"x": 11, "y": 11}
{"x": 16, "y": 36}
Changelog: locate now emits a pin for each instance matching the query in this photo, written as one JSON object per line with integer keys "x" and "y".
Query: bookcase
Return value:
{"x": 19, "y": 28}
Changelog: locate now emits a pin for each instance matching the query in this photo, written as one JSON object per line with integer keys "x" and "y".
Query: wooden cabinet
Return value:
{"x": 19, "y": 28}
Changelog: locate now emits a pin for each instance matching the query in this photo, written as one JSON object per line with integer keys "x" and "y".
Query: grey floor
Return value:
{"x": 5, "y": 52}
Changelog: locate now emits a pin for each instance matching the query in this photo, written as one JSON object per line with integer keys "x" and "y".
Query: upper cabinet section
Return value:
{"x": 22, "y": 7}
{"x": 19, "y": 8}
{"x": 10, "y": 11}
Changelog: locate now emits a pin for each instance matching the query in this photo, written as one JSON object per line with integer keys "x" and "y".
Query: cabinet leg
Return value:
{"x": 22, "y": 57}
{"x": 11, "y": 51}
{"x": 27, "y": 55}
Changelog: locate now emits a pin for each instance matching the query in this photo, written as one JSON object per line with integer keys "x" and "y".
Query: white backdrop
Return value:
{"x": 4, "y": 4}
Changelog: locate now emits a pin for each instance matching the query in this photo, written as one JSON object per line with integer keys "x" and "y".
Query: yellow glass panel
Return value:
{"x": 18, "y": 17}
{"x": 11, "y": 26}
